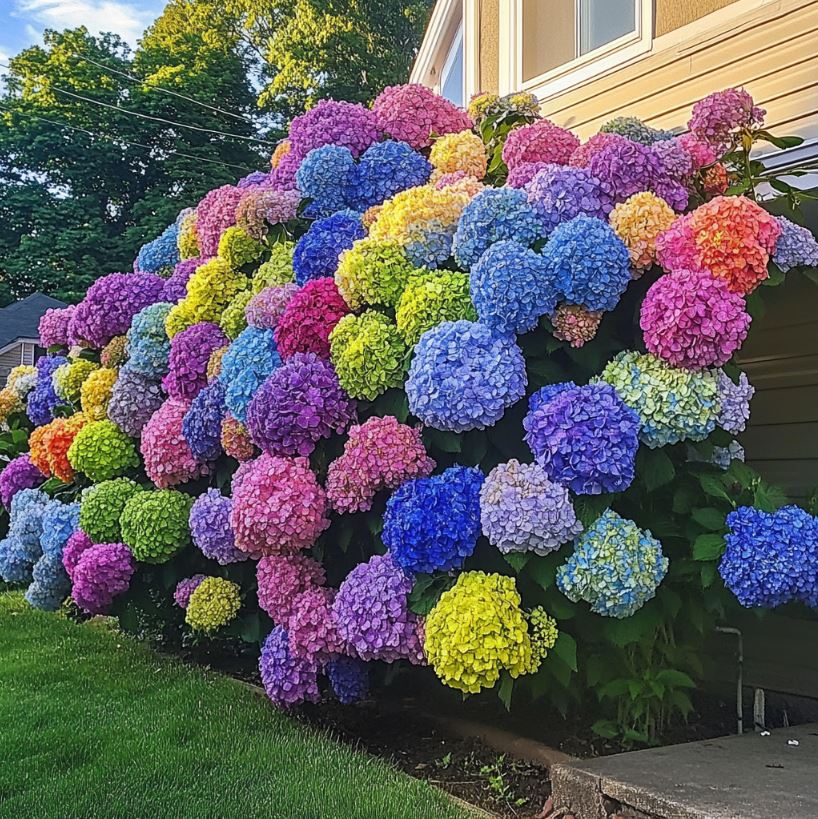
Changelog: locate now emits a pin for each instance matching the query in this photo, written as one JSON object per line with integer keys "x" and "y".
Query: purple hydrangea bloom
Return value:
{"x": 202, "y": 424}
{"x": 546, "y": 393}
{"x": 585, "y": 438}
{"x": 18, "y": 474}
{"x": 372, "y": 612}
{"x": 432, "y": 524}
{"x": 796, "y": 246}
{"x": 185, "y": 587}
{"x": 210, "y": 528}
{"x": 318, "y": 250}
{"x": 190, "y": 353}
{"x": 385, "y": 169}
{"x": 134, "y": 398}
{"x": 300, "y": 403}
{"x": 464, "y": 376}
{"x": 253, "y": 179}
{"x": 349, "y": 678}
{"x": 175, "y": 288}
{"x": 626, "y": 168}
{"x": 561, "y": 192}
{"x": 266, "y": 307}
{"x": 520, "y": 175}
{"x": 43, "y": 398}
{"x": 287, "y": 680}
{"x": 333, "y": 123}
{"x": 734, "y": 400}
{"x": 102, "y": 572}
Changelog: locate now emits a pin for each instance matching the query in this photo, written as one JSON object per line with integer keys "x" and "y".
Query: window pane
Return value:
{"x": 548, "y": 40}
{"x": 603, "y": 21}
{"x": 452, "y": 80}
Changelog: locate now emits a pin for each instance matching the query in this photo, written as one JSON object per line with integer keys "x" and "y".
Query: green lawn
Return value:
{"x": 93, "y": 724}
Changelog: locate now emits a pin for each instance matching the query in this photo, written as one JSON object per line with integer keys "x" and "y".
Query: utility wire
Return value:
{"x": 128, "y": 142}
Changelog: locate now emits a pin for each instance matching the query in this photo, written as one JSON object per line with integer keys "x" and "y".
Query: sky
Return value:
{"x": 22, "y": 22}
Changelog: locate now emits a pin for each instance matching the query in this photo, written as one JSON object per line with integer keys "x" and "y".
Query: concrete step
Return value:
{"x": 738, "y": 777}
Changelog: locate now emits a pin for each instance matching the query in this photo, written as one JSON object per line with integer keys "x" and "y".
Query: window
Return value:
{"x": 451, "y": 76}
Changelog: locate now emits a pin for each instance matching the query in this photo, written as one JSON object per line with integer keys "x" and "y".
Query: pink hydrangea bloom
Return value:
{"x": 692, "y": 320}
{"x": 263, "y": 206}
{"x": 582, "y": 156}
{"x": 281, "y": 578}
{"x": 719, "y": 115}
{"x": 542, "y": 141}
{"x": 168, "y": 459}
{"x": 347, "y": 124}
{"x": 267, "y": 306}
{"x": 214, "y": 214}
{"x": 235, "y": 439}
{"x": 54, "y": 324}
{"x": 312, "y": 627}
{"x": 575, "y": 324}
{"x": 76, "y": 544}
{"x": 412, "y": 113}
{"x": 278, "y": 506}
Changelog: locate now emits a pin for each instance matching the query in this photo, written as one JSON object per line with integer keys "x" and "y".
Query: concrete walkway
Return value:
{"x": 739, "y": 777}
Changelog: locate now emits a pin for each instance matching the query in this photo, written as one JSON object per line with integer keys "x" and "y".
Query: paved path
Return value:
{"x": 739, "y": 777}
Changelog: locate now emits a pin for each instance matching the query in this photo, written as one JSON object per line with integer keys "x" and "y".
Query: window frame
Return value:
{"x": 458, "y": 42}
{"x": 582, "y": 69}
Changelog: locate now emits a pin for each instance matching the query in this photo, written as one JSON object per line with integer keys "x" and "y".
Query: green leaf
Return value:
{"x": 250, "y": 630}
{"x": 516, "y": 560}
{"x": 655, "y": 468}
{"x": 427, "y": 590}
{"x": 605, "y": 728}
{"x": 707, "y": 574}
{"x": 639, "y": 626}
{"x": 445, "y": 441}
{"x": 589, "y": 507}
{"x": 566, "y": 649}
{"x": 675, "y": 678}
{"x": 780, "y": 142}
{"x": 708, "y": 547}
{"x": 709, "y": 518}
{"x": 768, "y": 498}
{"x": 711, "y": 485}
{"x": 542, "y": 571}
{"x": 774, "y": 277}
{"x": 506, "y": 690}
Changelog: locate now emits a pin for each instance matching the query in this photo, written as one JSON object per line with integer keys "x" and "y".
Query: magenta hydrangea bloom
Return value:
{"x": 76, "y": 545}
{"x": 347, "y": 124}
{"x": 281, "y": 579}
{"x": 134, "y": 398}
{"x": 541, "y": 141}
{"x": 186, "y": 587}
{"x": 210, "y": 528}
{"x": 175, "y": 288}
{"x": 278, "y": 506}
{"x": 692, "y": 320}
{"x": 168, "y": 459}
{"x": 18, "y": 474}
{"x": 373, "y": 615}
{"x": 626, "y": 168}
{"x": 266, "y": 308}
{"x": 298, "y": 405}
{"x": 309, "y": 318}
{"x": 190, "y": 353}
{"x": 312, "y": 628}
{"x": 214, "y": 214}
{"x": 286, "y": 679}
{"x": 379, "y": 454}
{"x": 582, "y": 156}
{"x": 110, "y": 304}
{"x": 282, "y": 177}
{"x": 716, "y": 117}
{"x": 102, "y": 572}
{"x": 411, "y": 113}
{"x": 54, "y": 324}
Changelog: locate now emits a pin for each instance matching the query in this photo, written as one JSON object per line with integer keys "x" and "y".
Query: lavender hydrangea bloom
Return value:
{"x": 286, "y": 679}
{"x": 585, "y": 438}
{"x": 202, "y": 424}
{"x": 134, "y": 398}
{"x": 372, "y": 612}
{"x": 385, "y": 169}
{"x": 796, "y": 246}
{"x": 331, "y": 122}
{"x": 102, "y": 572}
{"x": 771, "y": 558}
{"x": 18, "y": 474}
{"x": 349, "y": 678}
{"x": 626, "y": 168}
{"x": 521, "y": 510}
{"x": 300, "y": 403}
{"x": 324, "y": 177}
{"x": 432, "y": 524}
{"x": 253, "y": 179}
{"x": 190, "y": 353}
{"x": 734, "y": 400}
{"x": 318, "y": 250}
{"x": 559, "y": 193}
{"x": 43, "y": 398}
{"x": 248, "y": 361}
{"x": 175, "y": 288}
{"x": 185, "y": 587}
{"x": 546, "y": 393}
{"x": 210, "y": 528}
{"x": 464, "y": 376}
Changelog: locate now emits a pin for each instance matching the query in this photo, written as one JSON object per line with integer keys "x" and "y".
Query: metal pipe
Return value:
{"x": 739, "y": 677}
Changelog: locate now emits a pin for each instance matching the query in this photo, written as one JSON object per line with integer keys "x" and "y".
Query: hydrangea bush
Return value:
{"x": 447, "y": 388}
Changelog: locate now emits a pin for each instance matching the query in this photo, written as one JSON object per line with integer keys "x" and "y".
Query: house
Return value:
{"x": 19, "y": 334}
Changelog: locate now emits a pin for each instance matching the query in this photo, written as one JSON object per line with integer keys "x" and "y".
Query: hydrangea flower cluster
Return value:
{"x": 50, "y": 444}
{"x": 75, "y": 546}
{"x": 463, "y": 151}
{"x": 385, "y": 169}
{"x": 210, "y": 528}
{"x": 102, "y": 506}
{"x": 101, "y": 450}
{"x": 102, "y": 573}
{"x": 323, "y": 178}
{"x": 476, "y": 630}
{"x": 795, "y": 247}
{"x": 50, "y": 584}
{"x": 236, "y": 439}
{"x": 19, "y": 473}
{"x": 521, "y": 510}
{"x": 312, "y": 629}
{"x": 734, "y": 402}
{"x": 278, "y": 269}
{"x": 432, "y": 524}
{"x": 543, "y": 633}
{"x": 167, "y": 455}
{"x": 42, "y": 400}
{"x": 717, "y": 117}
{"x": 245, "y": 365}
{"x": 638, "y": 222}
{"x": 281, "y": 579}
{"x": 625, "y": 168}
{"x": 771, "y": 558}
{"x": 148, "y": 343}
{"x": 373, "y": 272}
{"x": 21, "y": 548}
{"x": 287, "y": 680}
{"x": 632, "y": 128}
{"x": 175, "y": 288}
{"x": 557, "y": 194}
{"x": 189, "y": 354}
{"x": 464, "y": 376}
{"x": 267, "y": 306}
{"x": 134, "y": 399}
{"x": 262, "y": 207}
{"x": 541, "y": 141}
{"x": 115, "y": 353}
{"x": 69, "y": 378}
{"x": 616, "y": 567}
{"x": 185, "y": 587}
{"x": 95, "y": 393}
{"x": 202, "y": 424}
{"x": 431, "y": 298}
{"x": 54, "y": 326}
{"x": 214, "y": 214}
{"x": 213, "y": 604}
{"x": 575, "y": 324}
{"x": 161, "y": 253}
{"x": 585, "y": 438}
{"x": 344, "y": 124}
{"x": 154, "y": 524}
{"x": 349, "y": 679}
{"x": 238, "y": 248}
{"x": 379, "y": 454}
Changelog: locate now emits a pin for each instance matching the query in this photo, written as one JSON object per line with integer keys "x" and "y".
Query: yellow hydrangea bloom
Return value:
{"x": 638, "y": 221}
{"x": 213, "y": 604}
{"x": 95, "y": 393}
{"x": 463, "y": 151}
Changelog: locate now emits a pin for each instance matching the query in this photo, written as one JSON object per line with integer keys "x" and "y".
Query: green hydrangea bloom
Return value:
{"x": 101, "y": 507}
{"x": 155, "y": 524}
{"x": 543, "y": 632}
{"x": 368, "y": 354}
{"x": 69, "y": 378}
{"x": 278, "y": 269}
{"x": 238, "y": 248}
{"x": 213, "y": 604}
{"x": 101, "y": 451}
{"x": 233, "y": 320}
{"x": 431, "y": 298}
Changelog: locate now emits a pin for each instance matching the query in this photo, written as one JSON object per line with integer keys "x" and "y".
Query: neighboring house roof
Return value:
{"x": 21, "y": 319}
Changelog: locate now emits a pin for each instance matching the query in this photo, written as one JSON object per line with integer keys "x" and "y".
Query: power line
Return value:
{"x": 111, "y": 138}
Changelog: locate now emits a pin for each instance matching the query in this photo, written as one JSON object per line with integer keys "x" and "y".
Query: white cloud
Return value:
{"x": 128, "y": 20}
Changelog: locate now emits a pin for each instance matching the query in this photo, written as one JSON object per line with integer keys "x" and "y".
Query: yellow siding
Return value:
{"x": 673, "y": 14}
{"x": 770, "y": 51}
{"x": 489, "y": 45}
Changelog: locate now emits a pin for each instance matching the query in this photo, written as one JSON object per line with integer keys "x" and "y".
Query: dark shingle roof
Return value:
{"x": 21, "y": 319}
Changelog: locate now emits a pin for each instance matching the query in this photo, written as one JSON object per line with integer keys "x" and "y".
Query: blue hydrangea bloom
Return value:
{"x": 590, "y": 263}
{"x": 60, "y": 521}
{"x": 796, "y": 246}
{"x": 546, "y": 393}
{"x": 202, "y": 424}
{"x": 511, "y": 287}
{"x": 324, "y": 177}
{"x": 585, "y": 438}
{"x": 385, "y": 169}
{"x": 21, "y": 549}
{"x": 246, "y": 364}
{"x": 464, "y": 376}
{"x": 432, "y": 524}
{"x": 616, "y": 567}
{"x": 559, "y": 193}
{"x": 148, "y": 343}
{"x": 349, "y": 678}
{"x": 771, "y": 558}
{"x": 51, "y": 583}
{"x": 162, "y": 252}
{"x": 493, "y": 215}
{"x": 318, "y": 250}
{"x": 43, "y": 398}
